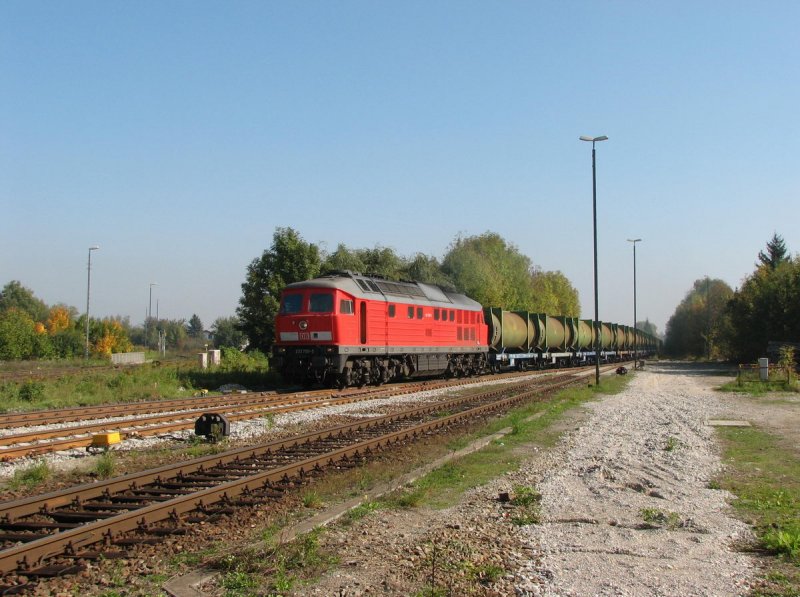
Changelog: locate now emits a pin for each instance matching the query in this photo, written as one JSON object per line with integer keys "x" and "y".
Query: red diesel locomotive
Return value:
{"x": 346, "y": 329}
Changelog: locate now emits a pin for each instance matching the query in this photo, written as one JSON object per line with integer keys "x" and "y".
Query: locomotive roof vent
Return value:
{"x": 340, "y": 273}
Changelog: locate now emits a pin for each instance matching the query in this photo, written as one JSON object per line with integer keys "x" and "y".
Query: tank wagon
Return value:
{"x": 536, "y": 340}
{"x": 345, "y": 329}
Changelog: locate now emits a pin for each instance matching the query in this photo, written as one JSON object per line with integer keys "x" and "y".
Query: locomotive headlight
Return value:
{"x": 303, "y": 324}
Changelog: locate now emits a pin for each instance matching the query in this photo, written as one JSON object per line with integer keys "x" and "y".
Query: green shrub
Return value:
{"x": 106, "y": 465}
{"x": 783, "y": 541}
{"x": 31, "y": 391}
{"x": 31, "y": 476}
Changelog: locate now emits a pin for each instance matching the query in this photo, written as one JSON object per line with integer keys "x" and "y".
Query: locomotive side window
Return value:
{"x": 411, "y": 312}
{"x": 321, "y": 303}
{"x": 292, "y": 303}
{"x": 436, "y": 314}
{"x": 391, "y": 310}
{"x": 346, "y": 307}
{"x": 452, "y": 315}
{"x": 419, "y": 312}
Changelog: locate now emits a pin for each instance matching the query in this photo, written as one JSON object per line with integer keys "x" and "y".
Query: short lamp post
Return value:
{"x": 88, "y": 290}
{"x": 635, "y": 329}
{"x": 594, "y": 140}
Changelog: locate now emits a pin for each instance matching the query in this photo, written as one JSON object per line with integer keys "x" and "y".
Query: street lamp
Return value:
{"x": 635, "y": 330}
{"x": 594, "y": 140}
{"x": 149, "y": 315}
{"x": 88, "y": 288}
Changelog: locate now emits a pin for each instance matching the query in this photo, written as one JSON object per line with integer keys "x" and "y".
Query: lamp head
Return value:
{"x": 634, "y": 240}
{"x": 593, "y": 139}
{"x": 94, "y": 247}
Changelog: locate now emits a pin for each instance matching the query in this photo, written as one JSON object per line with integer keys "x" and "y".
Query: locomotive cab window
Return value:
{"x": 436, "y": 314}
{"x": 321, "y": 303}
{"x": 391, "y": 310}
{"x": 292, "y": 303}
{"x": 346, "y": 307}
{"x": 411, "y": 312}
{"x": 419, "y": 312}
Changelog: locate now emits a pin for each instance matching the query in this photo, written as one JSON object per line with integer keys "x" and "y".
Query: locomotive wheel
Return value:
{"x": 344, "y": 378}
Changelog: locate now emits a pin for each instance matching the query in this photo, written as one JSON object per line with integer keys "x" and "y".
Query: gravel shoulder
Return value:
{"x": 626, "y": 509}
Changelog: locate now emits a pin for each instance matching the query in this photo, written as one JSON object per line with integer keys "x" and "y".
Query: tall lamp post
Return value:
{"x": 594, "y": 140}
{"x": 635, "y": 329}
{"x": 88, "y": 288}
{"x": 149, "y": 315}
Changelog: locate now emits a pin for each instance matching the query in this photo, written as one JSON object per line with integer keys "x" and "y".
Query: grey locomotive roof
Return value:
{"x": 375, "y": 288}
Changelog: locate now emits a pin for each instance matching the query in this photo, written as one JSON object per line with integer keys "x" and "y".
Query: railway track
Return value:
{"x": 177, "y": 415}
{"x": 57, "y": 533}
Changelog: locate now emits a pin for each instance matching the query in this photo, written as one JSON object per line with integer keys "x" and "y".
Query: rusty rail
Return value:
{"x": 104, "y": 512}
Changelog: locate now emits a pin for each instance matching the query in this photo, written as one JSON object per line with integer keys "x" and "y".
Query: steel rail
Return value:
{"x": 51, "y": 500}
{"x": 75, "y": 436}
{"x": 22, "y": 558}
{"x": 82, "y": 413}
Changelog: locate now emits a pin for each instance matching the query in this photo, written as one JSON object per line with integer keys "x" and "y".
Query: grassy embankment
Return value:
{"x": 763, "y": 470}
{"x": 93, "y": 385}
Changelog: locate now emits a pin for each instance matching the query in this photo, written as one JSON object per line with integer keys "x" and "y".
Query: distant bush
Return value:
{"x": 31, "y": 391}
{"x": 234, "y": 360}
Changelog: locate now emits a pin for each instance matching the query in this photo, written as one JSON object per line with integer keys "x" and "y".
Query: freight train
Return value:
{"x": 344, "y": 329}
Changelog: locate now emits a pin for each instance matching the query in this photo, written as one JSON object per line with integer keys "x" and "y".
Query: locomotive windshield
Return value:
{"x": 321, "y": 303}
{"x": 292, "y": 303}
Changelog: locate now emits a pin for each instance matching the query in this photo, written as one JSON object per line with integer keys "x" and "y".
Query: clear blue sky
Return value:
{"x": 179, "y": 135}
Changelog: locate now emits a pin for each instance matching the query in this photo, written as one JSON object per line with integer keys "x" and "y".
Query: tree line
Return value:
{"x": 485, "y": 267}
{"x": 30, "y": 329}
{"x": 715, "y": 321}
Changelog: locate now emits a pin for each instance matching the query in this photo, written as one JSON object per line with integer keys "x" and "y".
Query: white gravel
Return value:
{"x": 646, "y": 448}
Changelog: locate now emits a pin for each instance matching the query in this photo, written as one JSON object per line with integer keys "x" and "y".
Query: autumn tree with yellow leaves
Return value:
{"x": 29, "y": 329}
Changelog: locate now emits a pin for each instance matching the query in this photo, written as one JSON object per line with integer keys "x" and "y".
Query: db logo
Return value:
{"x": 305, "y": 336}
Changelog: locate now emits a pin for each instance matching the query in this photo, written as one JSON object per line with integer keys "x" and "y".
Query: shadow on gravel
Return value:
{"x": 691, "y": 368}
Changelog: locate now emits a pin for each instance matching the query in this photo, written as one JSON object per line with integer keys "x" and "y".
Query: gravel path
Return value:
{"x": 646, "y": 454}
{"x": 626, "y": 511}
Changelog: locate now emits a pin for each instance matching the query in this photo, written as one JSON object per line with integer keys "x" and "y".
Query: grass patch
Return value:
{"x": 361, "y": 511}
{"x": 30, "y": 476}
{"x": 527, "y": 506}
{"x": 765, "y": 476}
{"x": 760, "y": 388}
{"x": 312, "y": 499}
{"x": 95, "y": 383}
{"x": 106, "y": 465}
{"x": 274, "y": 569}
{"x": 656, "y": 517}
